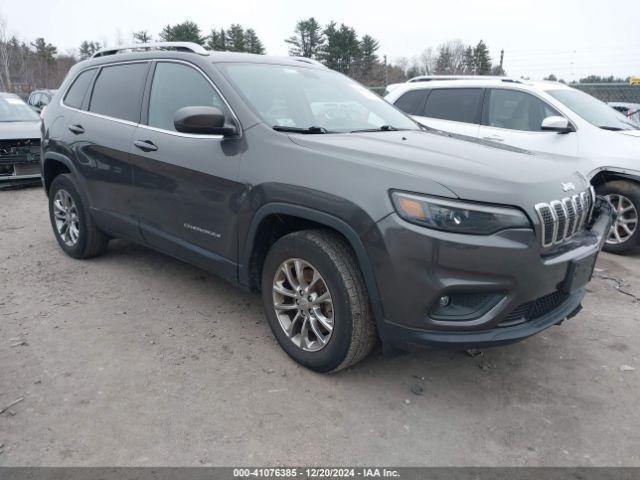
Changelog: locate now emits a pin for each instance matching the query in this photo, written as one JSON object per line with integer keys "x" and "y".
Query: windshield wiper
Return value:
{"x": 383, "y": 128}
{"x": 613, "y": 129}
{"x": 308, "y": 130}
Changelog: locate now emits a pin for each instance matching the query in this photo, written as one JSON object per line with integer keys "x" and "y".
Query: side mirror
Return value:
{"x": 557, "y": 124}
{"x": 203, "y": 121}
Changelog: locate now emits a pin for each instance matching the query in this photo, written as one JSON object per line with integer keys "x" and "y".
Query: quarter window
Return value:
{"x": 176, "y": 86}
{"x": 117, "y": 92}
{"x": 76, "y": 93}
{"x": 516, "y": 111}
{"x": 457, "y": 104}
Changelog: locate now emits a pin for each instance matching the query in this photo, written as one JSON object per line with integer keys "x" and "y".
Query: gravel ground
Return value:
{"x": 134, "y": 358}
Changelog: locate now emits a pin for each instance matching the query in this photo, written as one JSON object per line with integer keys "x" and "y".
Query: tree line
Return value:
{"x": 39, "y": 64}
{"x": 453, "y": 58}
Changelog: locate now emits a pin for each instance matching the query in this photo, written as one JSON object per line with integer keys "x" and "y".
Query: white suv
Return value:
{"x": 540, "y": 116}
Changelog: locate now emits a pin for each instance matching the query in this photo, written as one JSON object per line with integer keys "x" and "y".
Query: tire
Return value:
{"x": 89, "y": 240}
{"x": 353, "y": 335}
{"x": 623, "y": 196}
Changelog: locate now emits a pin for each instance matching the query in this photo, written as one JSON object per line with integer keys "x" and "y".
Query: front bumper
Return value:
{"x": 420, "y": 266}
{"x": 19, "y": 173}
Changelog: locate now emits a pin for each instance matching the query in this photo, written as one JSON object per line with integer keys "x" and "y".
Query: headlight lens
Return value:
{"x": 455, "y": 216}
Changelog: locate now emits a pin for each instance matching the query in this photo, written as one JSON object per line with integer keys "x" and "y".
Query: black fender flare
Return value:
{"x": 56, "y": 157}
{"x": 322, "y": 218}
{"x": 606, "y": 174}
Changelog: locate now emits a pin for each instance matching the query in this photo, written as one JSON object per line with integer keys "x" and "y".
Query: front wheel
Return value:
{"x": 316, "y": 301}
{"x": 625, "y": 198}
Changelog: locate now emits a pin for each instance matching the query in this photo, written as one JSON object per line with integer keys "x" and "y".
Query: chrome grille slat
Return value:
{"x": 562, "y": 219}
{"x": 577, "y": 204}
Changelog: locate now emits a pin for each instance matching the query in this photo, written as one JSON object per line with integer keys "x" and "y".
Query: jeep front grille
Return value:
{"x": 562, "y": 219}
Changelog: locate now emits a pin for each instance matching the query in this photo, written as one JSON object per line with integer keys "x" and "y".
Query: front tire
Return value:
{"x": 316, "y": 301}
{"x": 625, "y": 198}
{"x": 72, "y": 224}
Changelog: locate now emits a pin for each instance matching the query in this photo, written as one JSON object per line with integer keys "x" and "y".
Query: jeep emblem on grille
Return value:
{"x": 567, "y": 187}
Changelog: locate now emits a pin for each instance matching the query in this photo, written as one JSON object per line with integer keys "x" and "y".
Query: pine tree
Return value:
{"x": 235, "y": 38}
{"x": 182, "y": 32}
{"x": 368, "y": 48}
{"x": 308, "y": 40}
{"x": 342, "y": 51}
{"x": 482, "y": 59}
{"x": 217, "y": 40}
{"x": 252, "y": 43}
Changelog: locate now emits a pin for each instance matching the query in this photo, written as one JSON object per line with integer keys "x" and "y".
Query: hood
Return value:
{"x": 19, "y": 130}
{"x": 473, "y": 169}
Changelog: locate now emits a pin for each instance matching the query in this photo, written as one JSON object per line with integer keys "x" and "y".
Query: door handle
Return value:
{"x": 145, "y": 145}
{"x": 77, "y": 129}
{"x": 494, "y": 138}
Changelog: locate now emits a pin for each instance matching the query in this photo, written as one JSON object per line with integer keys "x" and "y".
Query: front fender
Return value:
{"x": 320, "y": 208}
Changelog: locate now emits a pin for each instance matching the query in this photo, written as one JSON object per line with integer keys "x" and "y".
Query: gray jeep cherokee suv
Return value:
{"x": 287, "y": 178}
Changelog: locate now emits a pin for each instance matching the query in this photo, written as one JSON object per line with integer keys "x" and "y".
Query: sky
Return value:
{"x": 568, "y": 38}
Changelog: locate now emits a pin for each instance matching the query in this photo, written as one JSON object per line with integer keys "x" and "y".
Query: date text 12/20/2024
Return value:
{"x": 365, "y": 472}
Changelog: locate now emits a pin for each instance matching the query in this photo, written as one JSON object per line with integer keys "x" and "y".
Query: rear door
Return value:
{"x": 456, "y": 110}
{"x": 187, "y": 188}
{"x": 514, "y": 117}
{"x": 101, "y": 137}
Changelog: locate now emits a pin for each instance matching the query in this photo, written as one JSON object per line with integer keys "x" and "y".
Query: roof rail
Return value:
{"x": 179, "y": 46}
{"x": 430, "y": 78}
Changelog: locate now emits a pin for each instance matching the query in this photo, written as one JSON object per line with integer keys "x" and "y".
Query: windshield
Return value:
{"x": 593, "y": 111}
{"x": 313, "y": 101}
{"x": 12, "y": 109}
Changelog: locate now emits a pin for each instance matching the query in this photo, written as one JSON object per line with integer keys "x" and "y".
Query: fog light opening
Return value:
{"x": 444, "y": 301}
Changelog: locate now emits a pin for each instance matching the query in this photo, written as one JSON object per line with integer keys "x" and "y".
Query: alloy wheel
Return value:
{"x": 626, "y": 223}
{"x": 65, "y": 213}
{"x": 303, "y": 304}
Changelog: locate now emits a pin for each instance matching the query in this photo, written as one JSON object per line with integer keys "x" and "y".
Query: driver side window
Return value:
{"x": 515, "y": 110}
{"x": 175, "y": 86}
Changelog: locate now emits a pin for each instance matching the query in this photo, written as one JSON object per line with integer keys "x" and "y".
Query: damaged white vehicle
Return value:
{"x": 19, "y": 142}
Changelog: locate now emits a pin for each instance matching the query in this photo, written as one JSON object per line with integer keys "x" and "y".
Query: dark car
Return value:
{"x": 289, "y": 179}
{"x": 39, "y": 99}
{"x": 19, "y": 142}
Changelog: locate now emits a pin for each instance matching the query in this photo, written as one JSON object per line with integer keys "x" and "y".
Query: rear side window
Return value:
{"x": 457, "y": 104}
{"x": 175, "y": 86}
{"x": 76, "y": 93}
{"x": 516, "y": 110}
{"x": 118, "y": 89}
{"x": 411, "y": 101}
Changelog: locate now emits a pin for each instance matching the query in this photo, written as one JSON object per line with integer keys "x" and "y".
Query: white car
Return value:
{"x": 540, "y": 116}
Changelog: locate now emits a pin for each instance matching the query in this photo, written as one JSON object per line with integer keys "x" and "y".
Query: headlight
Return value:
{"x": 455, "y": 216}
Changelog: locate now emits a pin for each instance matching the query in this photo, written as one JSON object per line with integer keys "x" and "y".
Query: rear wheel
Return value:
{"x": 625, "y": 198}
{"x": 72, "y": 224}
{"x": 316, "y": 301}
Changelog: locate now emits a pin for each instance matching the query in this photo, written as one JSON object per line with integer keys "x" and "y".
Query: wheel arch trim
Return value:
{"x": 55, "y": 157}
{"x": 614, "y": 173}
{"x": 327, "y": 220}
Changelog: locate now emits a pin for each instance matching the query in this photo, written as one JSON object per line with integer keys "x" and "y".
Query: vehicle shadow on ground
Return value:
{"x": 418, "y": 371}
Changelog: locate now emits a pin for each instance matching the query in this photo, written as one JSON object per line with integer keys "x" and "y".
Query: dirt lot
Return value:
{"x": 134, "y": 358}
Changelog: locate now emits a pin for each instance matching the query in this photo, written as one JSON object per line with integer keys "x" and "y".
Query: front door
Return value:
{"x": 513, "y": 117}
{"x": 186, "y": 185}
